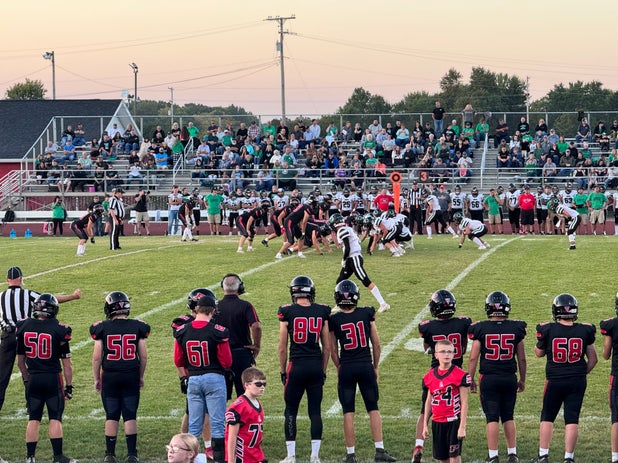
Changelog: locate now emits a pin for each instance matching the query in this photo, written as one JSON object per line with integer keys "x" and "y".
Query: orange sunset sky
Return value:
{"x": 221, "y": 53}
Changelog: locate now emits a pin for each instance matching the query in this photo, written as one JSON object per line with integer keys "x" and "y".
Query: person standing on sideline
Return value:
{"x": 442, "y": 306}
{"x": 16, "y": 304}
{"x": 446, "y": 405}
{"x": 352, "y": 262}
{"x": 214, "y": 201}
{"x": 566, "y": 380}
{"x": 118, "y": 364}
{"x": 498, "y": 349}
{"x": 43, "y": 353}
{"x": 141, "y": 212}
{"x": 242, "y": 321}
{"x": 205, "y": 369}
{"x": 305, "y": 323}
{"x": 609, "y": 329}
{"x": 245, "y": 421}
{"x": 116, "y": 218}
{"x": 192, "y": 299}
{"x": 354, "y": 329}
{"x": 174, "y": 201}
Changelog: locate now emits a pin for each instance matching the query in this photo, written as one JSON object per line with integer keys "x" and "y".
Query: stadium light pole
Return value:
{"x": 50, "y": 55}
{"x": 281, "y": 20}
{"x": 135, "y": 69}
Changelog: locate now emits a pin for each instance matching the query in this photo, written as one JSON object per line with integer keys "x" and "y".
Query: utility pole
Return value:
{"x": 528, "y": 99}
{"x": 281, "y": 20}
{"x": 171, "y": 89}
{"x": 135, "y": 69}
{"x": 50, "y": 55}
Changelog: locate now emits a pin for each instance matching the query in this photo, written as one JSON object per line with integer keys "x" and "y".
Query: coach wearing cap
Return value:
{"x": 16, "y": 305}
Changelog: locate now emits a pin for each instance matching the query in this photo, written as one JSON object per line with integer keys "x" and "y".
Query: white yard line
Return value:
{"x": 335, "y": 409}
{"x": 81, "y": 344}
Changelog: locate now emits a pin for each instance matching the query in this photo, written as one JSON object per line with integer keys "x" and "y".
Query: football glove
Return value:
{"x": 284, "y": 378}
{"x": 68, "y": 392}
{"x": 184, "y": 384}
{"x": 92, "y": 240}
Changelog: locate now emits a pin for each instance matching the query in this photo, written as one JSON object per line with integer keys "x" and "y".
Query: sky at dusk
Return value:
{"x": 222, "y": 53}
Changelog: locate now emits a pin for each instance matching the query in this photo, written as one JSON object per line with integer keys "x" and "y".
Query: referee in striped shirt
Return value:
{"x": 116, "y": 216}
{"x": 16, "y": 305}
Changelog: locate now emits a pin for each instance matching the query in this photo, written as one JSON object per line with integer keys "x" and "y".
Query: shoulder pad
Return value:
{"x": 588, "y": 324}
{"x": 424, "y": 322}
{"x": 97, "y": 323}
{"x": 219, "y": 327}
{"x": 475, "y": 323}
{"x": 543, "y": 323}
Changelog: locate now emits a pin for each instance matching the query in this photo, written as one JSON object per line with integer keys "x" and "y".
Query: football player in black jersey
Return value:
{"x": 84, "y": 228}
{"x": 354, "y": 330}
{"x": 277, "y": 217}
{"x": 246, "y": 223}
{"x": 294, "y": 226}
{"x": 498, "y": 350}
{"x": 569, "y": 349}
{"x": 609, "y": 328}
{"x": 186, "y": 217}
{"x": 42, "y": 353}
{"x": 305, "y": 323}
{"x": 205, "y": 369}
{"x": 445, "y": 326}
{"x": 118, "y": 363}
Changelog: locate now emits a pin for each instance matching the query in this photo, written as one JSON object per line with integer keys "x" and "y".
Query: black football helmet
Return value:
{"x": 457, "y": 217}
{"x": 302, "y": 286}
{"x": 616, "y": 301}
{"x": 265, "y": 204}
{"x": 116, "y": 303}
{"x": 336, "y": 220}
{"x": 248, "y": 193}
{"x": 46, "y": 305}
{"x": 346, "y": 294}
{"x": 98, "y": 209}
{"x": 565, "y": 307}
{"x": 194, "y": 296}
{"x": 294, "y": 202}
{"x": 312, "y": 201}
{"x": 497, "y": 304}
{"x": 442, "y": 304}
{"x": 553, "y": 204}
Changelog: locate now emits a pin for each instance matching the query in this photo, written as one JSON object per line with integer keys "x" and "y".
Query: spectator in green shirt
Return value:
{"x": 597, "y": 202}
{"x": 492, "y": 204}
{"x": 213, "y": 204}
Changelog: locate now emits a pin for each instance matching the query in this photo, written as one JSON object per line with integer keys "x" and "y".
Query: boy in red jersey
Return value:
{"x": 245, "y": 419}
{"x": 446, "y": 405}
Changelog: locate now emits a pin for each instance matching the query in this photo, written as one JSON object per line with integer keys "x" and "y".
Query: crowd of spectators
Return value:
{"x": 262, "y": 155}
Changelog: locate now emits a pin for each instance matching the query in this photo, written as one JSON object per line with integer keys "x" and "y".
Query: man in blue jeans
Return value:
{"x": 438, "y": 119}
{"x": 202, "y": 370}
{"x": 174, "y": 201}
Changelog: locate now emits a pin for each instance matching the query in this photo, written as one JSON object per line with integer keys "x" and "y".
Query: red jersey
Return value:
{"x": 443, "y": 388}
{"x": 527, "y": 201}
{"x": 381, "y": 201}
{"x": 249, "y": 439}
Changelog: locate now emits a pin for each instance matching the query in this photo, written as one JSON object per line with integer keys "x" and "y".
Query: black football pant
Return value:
{"x": 8, "y": 351}
{"x": 416, "y": 217}
{"x": 304, "y": 375}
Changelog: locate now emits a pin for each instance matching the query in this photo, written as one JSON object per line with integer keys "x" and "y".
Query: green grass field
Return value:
{"x": 158, "y": 272}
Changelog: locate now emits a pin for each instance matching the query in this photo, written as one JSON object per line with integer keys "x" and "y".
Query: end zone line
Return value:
{"x": 410, "y": 327}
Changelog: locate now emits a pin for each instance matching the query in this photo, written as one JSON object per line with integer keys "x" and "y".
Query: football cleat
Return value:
{"x": 265, "y": 243}
{"x": 290, "y": 459}
{"x": 384, "y": 307}
{"x": 278, "y": 256}
{"x": 512, "y": 458}
{"x": 569, "y": 460}
{"x": 110, "y": 459}
{"x": 28, "y": 460}
{"x": 543, "y": 459}
{"x": 417, "y": 455}
{"x": 315, "y": 460}
{"x": 383, "y": 456}
{"x": 572, "y": 247}
{"x": 350, "y": 458}
{"x": 132, "y": 459}
{"x": 495, "y": 459}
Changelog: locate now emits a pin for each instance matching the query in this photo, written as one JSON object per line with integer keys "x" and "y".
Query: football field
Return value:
{"x": 158, "y": 272}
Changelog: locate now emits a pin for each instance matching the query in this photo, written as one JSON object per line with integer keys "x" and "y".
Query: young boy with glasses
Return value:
{"x": 245, "y": 419}
{"x": 446, "y": 405}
